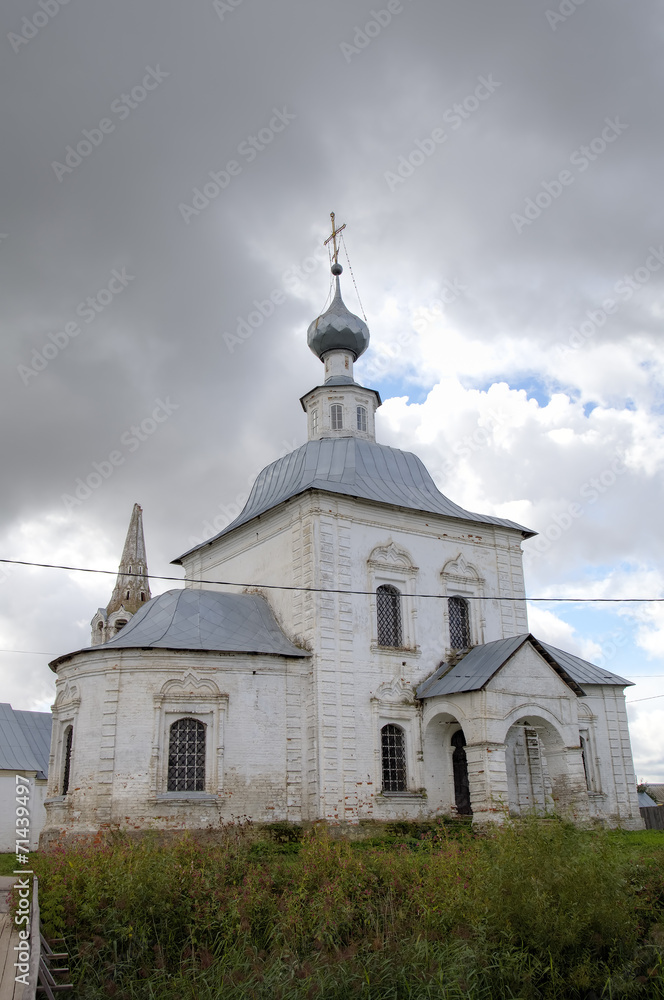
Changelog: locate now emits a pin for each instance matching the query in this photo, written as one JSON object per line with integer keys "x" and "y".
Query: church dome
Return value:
{"x": 338, "y": 329}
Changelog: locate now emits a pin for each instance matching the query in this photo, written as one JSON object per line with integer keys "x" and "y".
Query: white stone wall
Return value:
{"x": 602, "y": 713}
{"x": 125, "y": 702}
{"x": 340, "y": 544}
{"x": 299, "y": 739}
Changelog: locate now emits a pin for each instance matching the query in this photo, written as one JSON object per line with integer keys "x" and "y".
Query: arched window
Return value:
{"x": 336, "y": 417}
{"x": 393, "y": 747}
{"x": 314, "y": 421}
{"x": 457, "y": 609}
{"x": 120, "y": 624}
{"x": 361, "y": 418}
{"x": 388, "y": 614}
{"x": 66, "y": 769}
{"x": 142, "y": 596}
{"x": 186, "y": 756}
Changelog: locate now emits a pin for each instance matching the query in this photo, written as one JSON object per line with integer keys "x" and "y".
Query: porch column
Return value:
{"x": 568, "y": 782}
{"x": 487, "y": 777}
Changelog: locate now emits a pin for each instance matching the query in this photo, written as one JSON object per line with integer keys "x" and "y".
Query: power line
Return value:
{"x": 29, "y": 652}
{"x": 651, "y": 698}
{"x": 333, "y": 590}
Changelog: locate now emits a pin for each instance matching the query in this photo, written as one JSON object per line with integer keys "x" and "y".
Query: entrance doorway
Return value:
{"x": 460, "y": 768}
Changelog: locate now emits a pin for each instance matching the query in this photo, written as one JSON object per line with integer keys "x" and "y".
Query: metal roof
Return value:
{"x": 583, "y": 671}
{"x": 338, "y": 329}
{"x": 479, "y": 665}
{"x": 357, "y": 468}
{"x": 25, "y": 740}
{"x": 656, "y": 792}
{"x": 203, "y": 620}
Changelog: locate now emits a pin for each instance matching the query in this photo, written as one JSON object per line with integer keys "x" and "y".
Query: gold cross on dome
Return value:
{"x": 333, "y": 237}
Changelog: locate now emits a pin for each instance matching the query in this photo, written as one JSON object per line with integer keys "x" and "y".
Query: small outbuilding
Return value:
{"x": 25, "y": 740}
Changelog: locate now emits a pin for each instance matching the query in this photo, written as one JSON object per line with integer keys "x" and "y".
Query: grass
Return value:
{"x": 8, "y": 864}
{"x": 537, "y": 910}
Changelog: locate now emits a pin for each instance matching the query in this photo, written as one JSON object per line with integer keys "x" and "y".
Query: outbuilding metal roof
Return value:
{"x": 25, "y": 740}
{"x": 203, "y": 620}
{"x": 356, "y": 468}
{"x": 656, "y": 792}
{"x": 479, "y": 665}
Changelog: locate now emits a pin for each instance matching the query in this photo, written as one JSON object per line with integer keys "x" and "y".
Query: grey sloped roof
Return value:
{"x": 356, "y": 468}
{"x": 25, "y": 740}
{"x": 583, "y": 671}
{"x": 203, "y": 620}
{"x": 479, "y": 665}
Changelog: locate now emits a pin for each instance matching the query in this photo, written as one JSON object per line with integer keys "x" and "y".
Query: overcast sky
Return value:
{"x": 499, "y": 168}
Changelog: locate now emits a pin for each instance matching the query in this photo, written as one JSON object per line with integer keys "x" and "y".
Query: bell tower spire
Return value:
{"x": 132, "y": 585}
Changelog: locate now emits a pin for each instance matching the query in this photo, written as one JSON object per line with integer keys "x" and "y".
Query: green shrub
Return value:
{"x": 536, "y": 910}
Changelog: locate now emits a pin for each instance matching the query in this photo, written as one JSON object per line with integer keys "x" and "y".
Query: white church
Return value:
{"x": 371, "y": 661}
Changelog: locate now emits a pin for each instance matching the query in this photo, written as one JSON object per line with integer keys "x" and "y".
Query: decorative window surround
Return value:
{"x": 392, "y": 566}
{"x": 394, "y": 704}
{"x": 65, "y": 711}
{"x": 196, "y": 698}
{"x": 461, "y": 579}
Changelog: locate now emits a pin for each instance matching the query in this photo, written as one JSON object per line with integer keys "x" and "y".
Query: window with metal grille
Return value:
{"x": 66, "y": 771}
{"x": 388, "y": 614}
{"x": 314, "y": 421}
{"x": 186, "y": 756}
{"x": 393, "y": 745}
{"x": 336, "y": 417}
{"x": 361, "y": 418}
{"x": 457, "y": 610}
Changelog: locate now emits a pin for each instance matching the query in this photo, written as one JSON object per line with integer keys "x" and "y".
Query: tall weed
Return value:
{"x": 535, "y": 910}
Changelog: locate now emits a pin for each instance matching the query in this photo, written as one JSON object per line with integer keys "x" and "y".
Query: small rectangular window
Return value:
{"x": 314, "y": 421}
{"x": 361, "y": 418}
{"x": 336, "y": 417}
